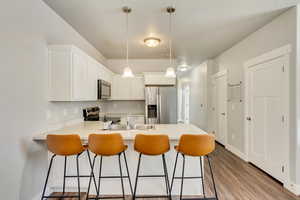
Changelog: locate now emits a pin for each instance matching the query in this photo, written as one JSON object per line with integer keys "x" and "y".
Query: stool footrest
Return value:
{"x": 59, "y": 197}
{"x": 150, "y": 196}
{"x": 113, "y": 177}
{"x": 207, "y": 198}
{"x": 106, "y": 197}
{"x": 188, "y": 177}
{"x": 81, "y": 176}
{"x": 151, "y": 176}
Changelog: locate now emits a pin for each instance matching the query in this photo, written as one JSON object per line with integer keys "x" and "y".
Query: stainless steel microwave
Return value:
{"x": 104, "y": 89}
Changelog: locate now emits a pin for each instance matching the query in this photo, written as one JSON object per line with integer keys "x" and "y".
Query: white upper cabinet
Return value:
{"x": 73, "y": 74}
{"x": 158, "y": 78}
{"x": 128, "y": 88}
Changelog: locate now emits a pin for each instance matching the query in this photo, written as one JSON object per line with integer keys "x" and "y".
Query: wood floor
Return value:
{"x": 238, "y": 180}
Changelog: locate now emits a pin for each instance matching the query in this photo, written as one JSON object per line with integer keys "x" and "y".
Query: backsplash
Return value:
{"x": 131, "y": 107}
{"x": 60, "y": 114}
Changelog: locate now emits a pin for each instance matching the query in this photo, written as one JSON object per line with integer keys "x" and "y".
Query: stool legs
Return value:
{"x": 121, "y": 174}
{"x": 182, "y": 176}
{"x": 212, "y": 177}
{"x": 78, "y": 176}
{"x": 100, "y": 177}
{"x": 65, "y": 169}
{"x": 137, "y": 176}
{"x": 127, "y": 169}
{"x": 168, "y": 188}
{"x": 173, "y": 176}
{"x": 64, "y": 179}
{"x": 46, "y": 182}
{"x": 165, "y": 176}
{"x": 92, "y": 174}
{"x": 201, "y": 177}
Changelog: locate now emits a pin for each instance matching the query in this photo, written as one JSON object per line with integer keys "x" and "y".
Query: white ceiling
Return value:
{"x": 202, "y": 28}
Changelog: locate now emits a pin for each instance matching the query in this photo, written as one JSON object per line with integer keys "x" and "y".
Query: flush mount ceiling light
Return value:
{"x": 170, "y": 70}
{"x": 127, "y": 72}
{"x": 152, "y": 41}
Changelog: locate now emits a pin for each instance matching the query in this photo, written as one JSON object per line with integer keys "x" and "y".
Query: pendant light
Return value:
{"x": 170, "y": 70}
{"x": 127, "y": 72}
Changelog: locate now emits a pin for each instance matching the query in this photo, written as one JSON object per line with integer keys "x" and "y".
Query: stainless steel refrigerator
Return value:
{"x": 161, "y": 105}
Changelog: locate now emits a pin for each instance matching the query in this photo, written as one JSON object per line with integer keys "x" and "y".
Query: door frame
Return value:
{"x": 213, "y": 78}
{"x": 283, "y": 52}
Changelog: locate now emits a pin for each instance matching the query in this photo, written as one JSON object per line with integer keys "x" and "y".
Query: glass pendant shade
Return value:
{"x": 127, "y": 73}
{"x": 170, "y": 72}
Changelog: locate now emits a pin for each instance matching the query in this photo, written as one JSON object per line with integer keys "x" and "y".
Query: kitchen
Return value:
{"x": 136, "y": 69}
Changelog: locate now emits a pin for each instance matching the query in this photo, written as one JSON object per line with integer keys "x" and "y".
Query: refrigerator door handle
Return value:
{"x": 159, "y": 108}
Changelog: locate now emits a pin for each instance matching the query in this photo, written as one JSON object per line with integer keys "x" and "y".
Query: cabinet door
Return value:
{"x": 137, "y": 88}
{"x": 93, "y": 73}
{"x": 121, "y": 88}
{"x": 79, "y": 76}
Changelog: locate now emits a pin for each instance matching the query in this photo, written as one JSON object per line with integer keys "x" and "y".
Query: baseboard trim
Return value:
{"x": 236, "y": 152}
{"x": 293, "y": 188}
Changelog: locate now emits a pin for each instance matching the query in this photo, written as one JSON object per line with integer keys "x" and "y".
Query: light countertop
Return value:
{"x": 83, "y": 129}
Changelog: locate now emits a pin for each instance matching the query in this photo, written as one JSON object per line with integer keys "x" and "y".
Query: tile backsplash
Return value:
{"x": 60, "y": 114}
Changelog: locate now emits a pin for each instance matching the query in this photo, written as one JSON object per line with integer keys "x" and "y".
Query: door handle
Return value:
{"x": 248, "y": 118}
{"x": 223, "y": 114}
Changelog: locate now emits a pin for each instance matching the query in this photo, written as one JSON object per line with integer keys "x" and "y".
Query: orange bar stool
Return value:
{"x": 152, "y": 145}
{"x": 65, "y": 145}
{"x": 196, "y": 146}
{"x": 105, "y": 145}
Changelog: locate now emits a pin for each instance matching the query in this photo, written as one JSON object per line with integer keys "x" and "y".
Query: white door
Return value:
{"x": 213, "y": 114}
{"x": 267, "y": 136}
{"x": 79, "y": 78}
{"x": 221, "y": 108}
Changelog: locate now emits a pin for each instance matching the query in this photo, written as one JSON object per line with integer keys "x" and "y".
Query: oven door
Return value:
{"x": 104, "y": 89}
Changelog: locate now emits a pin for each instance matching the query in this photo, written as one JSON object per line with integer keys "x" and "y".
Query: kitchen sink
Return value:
{"x": 144, "y": 127}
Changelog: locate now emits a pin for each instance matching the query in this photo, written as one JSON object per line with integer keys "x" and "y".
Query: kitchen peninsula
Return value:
{"x": 149, "y": 165}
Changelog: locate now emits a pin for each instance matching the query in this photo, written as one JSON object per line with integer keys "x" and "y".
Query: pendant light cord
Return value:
{"x": 127, "y": 51}
{"x": 170, "y": 39}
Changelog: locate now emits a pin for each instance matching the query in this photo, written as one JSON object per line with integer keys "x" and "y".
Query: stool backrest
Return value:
{"x": 106, "y": 144}
{"x": 64, "y": 145}
{"x": 151, "y": 144}
{"x": 196, "y": 145}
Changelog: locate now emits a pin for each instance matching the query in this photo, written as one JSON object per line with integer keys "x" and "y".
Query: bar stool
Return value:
{"x": 65, "y": 145}
{"x": 105, "y": 145}
{"x": 152, "y": 145}
{"x": 196, "y": 146}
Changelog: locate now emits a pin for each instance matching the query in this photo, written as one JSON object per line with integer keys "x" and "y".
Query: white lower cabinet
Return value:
{"x": 128, "y": 88}
{"x": 73, "y": 75}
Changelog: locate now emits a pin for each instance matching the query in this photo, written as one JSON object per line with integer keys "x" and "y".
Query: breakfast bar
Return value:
{"x": 149, "y": 164}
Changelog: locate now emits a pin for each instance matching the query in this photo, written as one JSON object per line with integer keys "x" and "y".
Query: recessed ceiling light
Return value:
{"x": 183, "y": 68}
{"x": 152, "y": 41}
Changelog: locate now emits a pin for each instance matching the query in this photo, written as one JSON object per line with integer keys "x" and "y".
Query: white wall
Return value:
{"x": 139, "y": 65}
{"x": 27, "y": 27}
{"x": 280, "y": 32}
